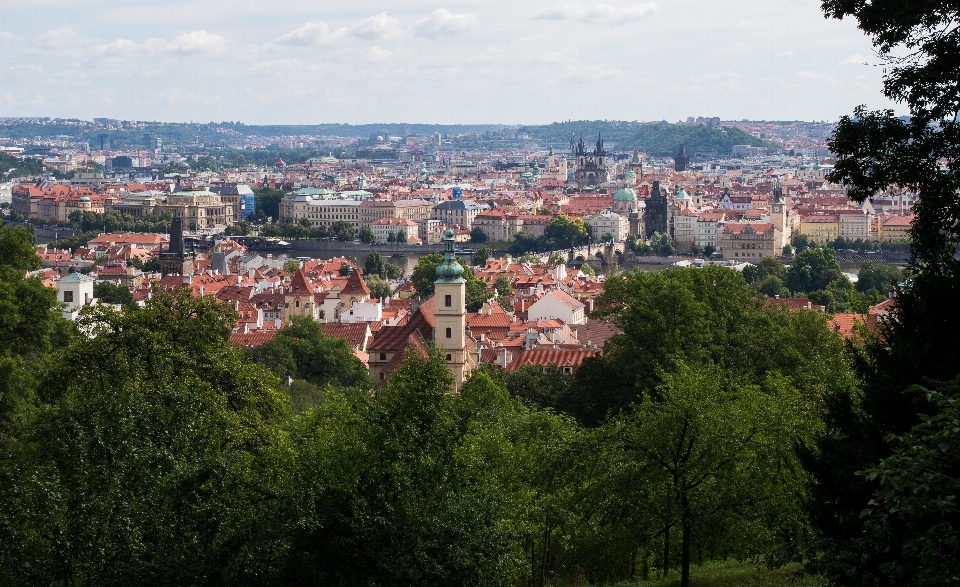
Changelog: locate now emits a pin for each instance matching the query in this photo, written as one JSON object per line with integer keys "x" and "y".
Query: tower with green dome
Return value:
{"x": 450, "y": 311}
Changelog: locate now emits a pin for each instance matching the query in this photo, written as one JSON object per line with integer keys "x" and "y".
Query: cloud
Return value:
{"x": 784, "y": 55}
{"x": 600, "y": 13}
{"x": 11, "y": 38}
{"x": 745, "y": 24}
{"x": 196, "y": 42}
{"x": 310, "y": 35}
{"x": 442, "y": 22}
{"x": 857, "y": 59}
{"x": 378, "y": 27}
{"x": 29, "y": 67}
{"x": 65, "y": 38}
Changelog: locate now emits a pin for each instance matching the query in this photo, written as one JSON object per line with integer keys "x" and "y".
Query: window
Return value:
{"x": 449, "y": 333}
{"x": 449, "y": 357}
{"x": 448, "y": 300}
{"x": 383, "y": 356}
{"x": 381, "y": 376}
{"x": 68, "y": 296}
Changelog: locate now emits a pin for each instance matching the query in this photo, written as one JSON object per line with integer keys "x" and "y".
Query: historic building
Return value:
{"x": 656, "y": 213}
{"x": 175, "y": 260}
{"x": 450, "y": 312}
{"x": 681, "y": 162}
{"x": 591, "y": 168}
{"x": 749, "y": 241}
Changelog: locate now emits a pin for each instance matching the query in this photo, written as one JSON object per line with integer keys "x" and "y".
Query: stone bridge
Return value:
{"x": 603, "y": 253}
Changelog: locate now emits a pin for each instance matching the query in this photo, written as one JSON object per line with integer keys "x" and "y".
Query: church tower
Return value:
{"x": 778, "y": 215}
{"x": 450, "y": 312}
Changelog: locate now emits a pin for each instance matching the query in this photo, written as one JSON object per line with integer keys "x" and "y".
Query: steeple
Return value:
{"x": 450, "y": 312}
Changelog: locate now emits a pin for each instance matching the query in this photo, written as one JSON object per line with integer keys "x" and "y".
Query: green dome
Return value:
{"x": 83, "y": 199}
{"x": 449, "y": 270}
{"x": 682, "y": 195}
{"x": 625, "y": 194}
{"x": 630, "y": 173}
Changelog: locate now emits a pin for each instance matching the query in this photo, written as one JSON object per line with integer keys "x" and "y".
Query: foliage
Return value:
{"x": 815, "y": 270}
{"x": 587, "y": 269}
{"x": 800, "y": 242}
{"x": 373, "y": 265}
{"x": 11, "y": 167}
{"x": 268, "y": 201}
{"x": 876, "y": 278}
{"x": 17, "y": 247}
{"x": 151, "y": 460}
{"x": 114, "y": 293}
{"x": 291, "y": 266}
{"x": 913, "y": 515}
{"x": 393, "y": 271}
{"x": 402, "y": 236}
{"x": 556, "y": 259}
{"x": 878, "y": 150}
{"x": 481, "y": 255}
{"x": 502, "y": 285}
{"x": 342, "y": 230}
{"x": 300, "y": 350}
{"x": 425, "y": 273}
{"x": 477, "y": 235}
{"x": 379, "y": 288}
{"x": 767, "y": 267}
{"x": 119, "y": 222}
{"x": 242, "y": 228}
{"x": 562, "y": 233}
{"x": 366, "y": 235}
{"x": 661, "y": 244}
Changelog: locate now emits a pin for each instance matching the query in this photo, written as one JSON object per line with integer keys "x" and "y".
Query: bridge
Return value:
{"x": 603, "y": 253}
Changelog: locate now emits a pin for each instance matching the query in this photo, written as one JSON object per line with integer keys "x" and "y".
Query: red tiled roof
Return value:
{"x": 253, "y": 338}
{"x": 545, "y": 357}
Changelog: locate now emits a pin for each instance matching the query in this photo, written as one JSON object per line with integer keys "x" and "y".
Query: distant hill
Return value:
{"x": 658, "y": 138}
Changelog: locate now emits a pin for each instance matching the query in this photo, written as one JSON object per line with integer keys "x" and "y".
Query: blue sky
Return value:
{"x": 455, "y": 61}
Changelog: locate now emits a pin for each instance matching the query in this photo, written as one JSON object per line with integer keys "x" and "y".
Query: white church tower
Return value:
{"x": 450, "y": 313}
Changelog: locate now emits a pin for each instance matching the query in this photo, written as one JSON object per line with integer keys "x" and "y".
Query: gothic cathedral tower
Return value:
{"x": 450, "y": 312}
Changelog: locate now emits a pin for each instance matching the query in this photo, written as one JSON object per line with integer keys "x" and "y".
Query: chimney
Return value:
{"x": 590, "y": 305}
{"x": 187, "y": 280}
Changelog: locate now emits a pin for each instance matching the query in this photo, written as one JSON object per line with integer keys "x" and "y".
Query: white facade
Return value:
{"x": 365, "y": 311}
{"x": 75, "y": 291}
{"x": 383, "y": 227}
{"x": 608, "y": 221}
{"x": 557, "y": 304}
{"x": 709, "y": 227}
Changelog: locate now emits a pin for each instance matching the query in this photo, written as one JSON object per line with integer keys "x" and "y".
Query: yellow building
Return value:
{"x": 820, "y": 228}
{"x": 894, "y": 228}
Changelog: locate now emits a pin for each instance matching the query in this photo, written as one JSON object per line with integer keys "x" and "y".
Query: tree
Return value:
{"x": 291, "y": 266}
{"x": 525, "y": 243}
{"x": 787, "y": 250}
{"x": 815, "y": 269}
{"x": 344, "y": 269}
{"x": 374, "y": 265}
{"x": 709, "y": 250}
{"x": 563, "y": 233}
{"x": 402, "y": 236}
{"x": 391, "y": 237}
{"x": 877, "y": 278}
{"x": 767, "y": 267}
{"x": 556, "y": 259}
{"x": 152, "y": 265}
{"x": 587, "y": 269}
{"x": 300, "y": 350}
{"x": 114, "y": 293}
{"x": 152, "y": 428}
{"x": 481, "y": 255}
{"x": 379, "y": 289}
{"x": 696, "y": 249}
{"x": 661, "y": 244}
{"x": 366, "y": 235}
{"x": 502, "y": 285}
{"x": 606, "y": 237}
{"x": 800, "y": 242}
{"x": 343, "y": 230}
{"x": 268, "y": 201}
{"x": 425, "y": 273}
{"x": 17, "y": 247}
{"x": 694, "y": 444}
{"x": 477, "y": 235}
{"x": 393, "y": 271}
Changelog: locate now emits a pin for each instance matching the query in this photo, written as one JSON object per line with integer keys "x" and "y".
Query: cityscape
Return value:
{"x": 706, "y": 351}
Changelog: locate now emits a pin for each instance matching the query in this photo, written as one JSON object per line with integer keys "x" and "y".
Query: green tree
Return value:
{"x": 379, "y": 288}
{"x": 17, "y": 247}
{"x": 153, "y": 460}
{"x": 481, "y": 255}
{"x": 661, "y": 244}
{"x": 374, "y": 265}
{"x": 587, "y": 269}
{"x": 393, "y": 271}
{"x": 402, "y": 236}
{"x": 291, "y": 266}
{"x": 815, "y": 269}
{"x": 268, "y": 202}
{"x": 300, "y": 350}
{"x": 477, "y": 235}
{"x": 342, "y": 230}
{"x": 502, "y": 285}
{"x": 694, "y": 444}
{"x": 425, "y": 273}
{"x": 114, "y": 293}
{"x": 800, "y": 242}
{"x": 366, "y": 235}
{"x": 709, "y": 250}
{"x": 767, "y": 267}
{"x": 152, "y": 265}
{"x": 391, "y": 237}
{"x": 606, "y": 237}
{"x": 563, "y": 233}
{"x": 877, "y": 278}
{"x": 556, "y": 259}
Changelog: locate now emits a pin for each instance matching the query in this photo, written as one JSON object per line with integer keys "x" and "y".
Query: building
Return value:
{"x": 319, "y": 212}
{"x": 894, "y": 228}
{"x": 458, "y": 212}
{"x": 749, "y": 241}
{"x": 709, "y": 226}
{"x": 450, "y": 313}
{"x": 685, "y": 224}
{"x": 75, "y": 291}
{"x": 608, "y": 221}
{"x": 175, "y": 260}
{"x": 656, "y": 217}
{"x": 558, "y": 304}
{"x": 384, "y": 227}
{"x": 372, "y": 210}
{"x": 854, "y": 224}
{"x": 499, "y": 226}
{"x": 199, "y": 208}
{"x": 820, "y": 228}
{"x": 591, "y": 168}
{"x": 681, "y": 162}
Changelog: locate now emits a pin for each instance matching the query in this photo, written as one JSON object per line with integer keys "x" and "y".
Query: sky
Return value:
{"x": 431, "y": 61}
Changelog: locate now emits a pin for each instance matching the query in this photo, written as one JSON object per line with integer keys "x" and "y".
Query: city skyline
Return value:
{"x": 464, "y": 62}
